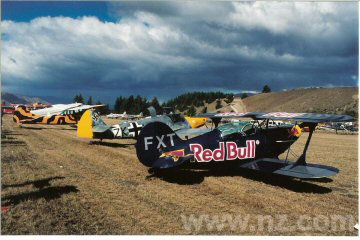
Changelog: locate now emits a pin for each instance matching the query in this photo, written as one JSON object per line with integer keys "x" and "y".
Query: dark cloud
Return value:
{"x": 167, "y": 48}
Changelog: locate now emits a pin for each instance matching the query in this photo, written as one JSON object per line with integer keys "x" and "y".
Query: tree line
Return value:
{"x": 130, "y": 105}
{"x": 136, "y": 105}
{"x": 186, "y": 103}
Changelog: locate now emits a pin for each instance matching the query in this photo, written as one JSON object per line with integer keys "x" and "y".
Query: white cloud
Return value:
{"x": 308, "y": 18}
{"x": 172, "y": 41}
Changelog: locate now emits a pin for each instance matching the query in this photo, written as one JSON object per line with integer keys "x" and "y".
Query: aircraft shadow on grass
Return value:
{"x": 12, "y": 142}
{"x": 10, "y": 133}
{"x": 41, "y": 183}
{"x": 32, "y": 128}
{"x": 48, "y": 193}
{"x": 7, "y": 139}
{"x": 191, "y": 176}
{"x": 44, "y": 190}
{"x": 111, "y": 144}
{"x": 41, "y": 128}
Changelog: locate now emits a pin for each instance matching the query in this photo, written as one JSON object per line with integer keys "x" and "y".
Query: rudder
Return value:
{"x": 85, "y": 125}
{"x": 155, "y": 139}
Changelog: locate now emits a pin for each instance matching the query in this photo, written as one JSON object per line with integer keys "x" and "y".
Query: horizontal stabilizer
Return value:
{"x": 291, "y": 169}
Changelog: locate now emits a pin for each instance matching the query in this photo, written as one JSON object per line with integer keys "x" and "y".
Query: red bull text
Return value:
{"x": 232, "y": 152}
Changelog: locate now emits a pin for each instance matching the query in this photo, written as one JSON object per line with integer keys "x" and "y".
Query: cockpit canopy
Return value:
{"x": 229, "y": 129}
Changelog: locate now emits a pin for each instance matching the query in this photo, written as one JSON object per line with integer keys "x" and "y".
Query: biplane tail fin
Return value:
{"x": 85, "y": 125}
{"x": 88, "y": 121}
{"x": 155, "y": 141}
{"x": 152, "y": 111}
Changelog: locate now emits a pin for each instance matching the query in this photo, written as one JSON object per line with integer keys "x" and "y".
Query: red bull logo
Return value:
{"x": 174, "y": 154}
{"x": 232, "y": 152}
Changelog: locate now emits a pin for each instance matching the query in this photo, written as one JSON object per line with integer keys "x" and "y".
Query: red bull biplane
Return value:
{"x": 252, "y": 145}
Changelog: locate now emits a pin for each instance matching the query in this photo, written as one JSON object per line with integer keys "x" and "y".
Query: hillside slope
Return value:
{"x": 236, "y": 105}
{"x": 14, "y": 99}
{"x": 321, "y": 100}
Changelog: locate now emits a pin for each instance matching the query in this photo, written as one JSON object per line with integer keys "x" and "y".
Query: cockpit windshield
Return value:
{"x": 243, "y": 128}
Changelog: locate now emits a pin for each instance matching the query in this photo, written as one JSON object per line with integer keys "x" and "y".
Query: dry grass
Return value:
{"x": 55, "y": 183}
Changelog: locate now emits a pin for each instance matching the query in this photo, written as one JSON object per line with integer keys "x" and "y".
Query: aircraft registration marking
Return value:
{"x": 116, "y": 130}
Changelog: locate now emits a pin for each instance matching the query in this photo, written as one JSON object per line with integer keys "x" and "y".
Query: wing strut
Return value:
{"x": 302, "y": 158}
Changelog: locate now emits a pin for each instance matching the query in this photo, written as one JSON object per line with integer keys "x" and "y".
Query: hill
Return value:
{"x": 236, "y": 105}
{"x": 195, "y": 102}
{"x": 14, "y": 99}
{"x": 320, "y": 100}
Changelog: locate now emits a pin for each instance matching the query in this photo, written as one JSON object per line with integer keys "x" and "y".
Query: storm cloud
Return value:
{"x": 164, "y": 49}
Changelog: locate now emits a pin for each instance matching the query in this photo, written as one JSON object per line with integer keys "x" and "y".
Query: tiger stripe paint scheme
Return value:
{"x": 22, "y": 115}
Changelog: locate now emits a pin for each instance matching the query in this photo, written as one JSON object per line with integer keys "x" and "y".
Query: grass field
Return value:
{"x": 54, "y": 183}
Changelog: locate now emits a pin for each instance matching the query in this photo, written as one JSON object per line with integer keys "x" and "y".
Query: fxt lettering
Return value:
{"x": 232, "y": 152}
{"x": 160, "y": 141}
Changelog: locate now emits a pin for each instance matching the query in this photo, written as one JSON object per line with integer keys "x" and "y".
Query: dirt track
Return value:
{"x": 55, "y": 183}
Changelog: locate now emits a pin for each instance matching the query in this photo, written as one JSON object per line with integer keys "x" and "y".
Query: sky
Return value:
{"x": 163, "y": 49}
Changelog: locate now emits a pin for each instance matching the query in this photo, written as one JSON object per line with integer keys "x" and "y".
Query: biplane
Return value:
{"x": 91, "y": 125}
{"x": 252, "y": 145}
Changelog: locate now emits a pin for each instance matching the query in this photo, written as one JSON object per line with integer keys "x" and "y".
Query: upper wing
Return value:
{"x": 79, "y": 109}
{"x": 301, "y": 117}
{"x": 55, "y": 109}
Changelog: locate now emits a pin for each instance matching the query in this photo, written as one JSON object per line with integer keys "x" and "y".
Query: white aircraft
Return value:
{"x": 116, "y": 115}
{"x": 140, "y": 115}
{"x": 63, "y": 109}
{"x": 124, "y": 115}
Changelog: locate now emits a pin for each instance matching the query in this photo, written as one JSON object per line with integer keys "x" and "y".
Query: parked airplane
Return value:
{"x": 59, "y": 114}
{"x": 242, "y": 145}
{"x": 116, "y": 115}
{"x": 92, "y": 126}
{"x": 124, "y": 115}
